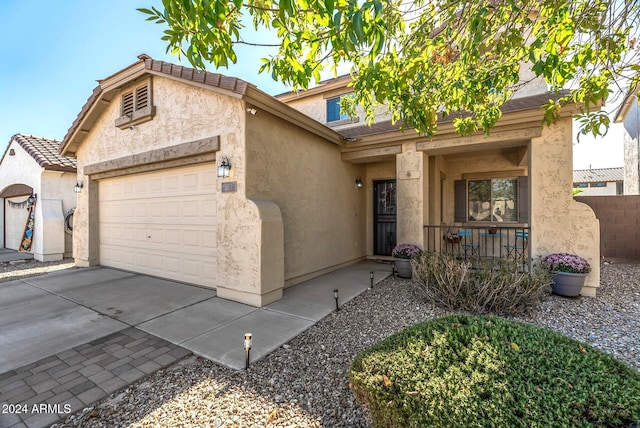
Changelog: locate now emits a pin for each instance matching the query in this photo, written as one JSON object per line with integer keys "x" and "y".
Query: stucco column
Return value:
{"x": 85, "y": 226}
{"x": 559, "y": 224}
{"x": 411, "y": 195}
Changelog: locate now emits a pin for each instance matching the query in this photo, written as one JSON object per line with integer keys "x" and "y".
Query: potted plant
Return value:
{"x": 569, "y": 272}
{"x": 402, "y": 254}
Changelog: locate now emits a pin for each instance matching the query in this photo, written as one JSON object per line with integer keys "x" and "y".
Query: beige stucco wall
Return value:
{"x": 323, "y": 212}
{"x": 558, "y": 222}
{"x": 185, "y": 113}
{"x": 631, "y": 140}
{"x": 55, "y": 196}
{"x": 412, "y": 172}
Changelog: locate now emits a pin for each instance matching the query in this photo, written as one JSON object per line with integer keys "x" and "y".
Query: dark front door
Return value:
{"x": 384, "y": 217}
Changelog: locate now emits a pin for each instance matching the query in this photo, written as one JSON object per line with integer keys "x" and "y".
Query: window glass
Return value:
{"x": 580, "y": 185}
{"x": 333, "y": 110}
{"x": 493, "y": 200}
{"x": 599, "y": 184}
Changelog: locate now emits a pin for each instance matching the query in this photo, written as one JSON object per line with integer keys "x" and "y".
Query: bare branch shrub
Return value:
{"x": 495, "y": 286}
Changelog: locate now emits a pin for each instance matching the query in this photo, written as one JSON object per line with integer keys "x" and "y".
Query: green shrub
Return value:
{"x": 468, "y": 371}
{"x": 491, "y": 286}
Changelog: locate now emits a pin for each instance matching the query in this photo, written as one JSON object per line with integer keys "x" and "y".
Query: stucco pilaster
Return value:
{"x": 558, "y": 222}
{"x": 85, "y": 226}
{"x": 411, "y": 198}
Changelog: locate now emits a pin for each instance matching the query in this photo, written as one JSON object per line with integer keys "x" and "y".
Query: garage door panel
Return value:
{"x": 163, "y": 225}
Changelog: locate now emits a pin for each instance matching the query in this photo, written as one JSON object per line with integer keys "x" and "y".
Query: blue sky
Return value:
{"x": 52, "y": 53}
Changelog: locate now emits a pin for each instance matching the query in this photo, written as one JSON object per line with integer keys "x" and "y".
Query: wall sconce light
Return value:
{"x": 247, "y": 348}
{"x": 12, "y": 152}
{"x": 78, "y": 187}
{"x": 224, "y": 168}
{"x": 252, "y": 111}
{"x": 359, "y": 183}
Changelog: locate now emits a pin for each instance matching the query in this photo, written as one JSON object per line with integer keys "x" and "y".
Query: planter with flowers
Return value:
{"x": 569, "y": 273}
{"x": 402, "y": 254}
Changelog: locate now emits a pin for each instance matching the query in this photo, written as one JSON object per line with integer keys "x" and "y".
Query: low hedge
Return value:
{"x": 466, "y": 370}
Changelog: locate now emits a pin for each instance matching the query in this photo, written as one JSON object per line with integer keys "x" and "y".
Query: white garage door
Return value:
{"x": 15, "y": 220}
{"x": 161, "y": 223}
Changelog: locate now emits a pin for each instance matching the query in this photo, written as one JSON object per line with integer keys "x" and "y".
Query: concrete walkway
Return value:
{"x": 70, "y": 338}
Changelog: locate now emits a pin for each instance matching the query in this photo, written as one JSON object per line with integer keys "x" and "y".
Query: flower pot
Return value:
{"x": 403, "y": 267}
{"x": 567, "y": 284}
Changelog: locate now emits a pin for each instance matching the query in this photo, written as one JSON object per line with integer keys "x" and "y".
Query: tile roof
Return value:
{"x": 597, "y": 175}
{"x": 45, "y": 152}
{"x": 207, "y": 78}
{"x": 513, "y": 105}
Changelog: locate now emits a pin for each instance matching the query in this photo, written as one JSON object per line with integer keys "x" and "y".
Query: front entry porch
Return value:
{"x": 471, "y": 243}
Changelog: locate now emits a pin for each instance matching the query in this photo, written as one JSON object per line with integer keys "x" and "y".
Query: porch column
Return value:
{"x": 412, "y": 174}
{"x": 559, "y": 224}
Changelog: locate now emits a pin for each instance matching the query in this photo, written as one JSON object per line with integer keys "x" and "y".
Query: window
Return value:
{"x": 333, "y": 110}
{"x": 580, "y": 185}
{"x": 492, "y": 200}
{"x": 598, "y": 184}
{"x": 136, "y": 106}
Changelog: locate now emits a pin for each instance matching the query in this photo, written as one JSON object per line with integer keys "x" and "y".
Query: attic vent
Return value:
{"x": 137, "y": 106}
{"x": 142, "y": 97}
{"x": 127, "y": 104}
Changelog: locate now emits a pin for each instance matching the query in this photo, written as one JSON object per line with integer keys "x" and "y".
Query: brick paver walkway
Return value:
{"x": 45, "y": 392}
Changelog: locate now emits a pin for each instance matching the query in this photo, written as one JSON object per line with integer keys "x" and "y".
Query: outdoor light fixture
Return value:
{"x": 335, "y": 296}
{"x": 359, "y": 183}
{"x": 224, "y": 168}
{"x": 371, "y": 278}
{"x": 78, "y": 187}
{"x": 12, "y": 152}
{"x": 247, "y": 348}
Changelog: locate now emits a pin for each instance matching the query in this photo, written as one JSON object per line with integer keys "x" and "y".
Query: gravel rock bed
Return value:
{"x": 305, "y": 384}
{"x": 10, "y": 271}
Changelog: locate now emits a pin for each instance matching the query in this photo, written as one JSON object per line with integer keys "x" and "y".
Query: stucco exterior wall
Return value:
{"x": 323, "y": 212}
{"x": 19, "y": 169}
{"x": 186, "y": 113}
{"x": 632, "y": 150}
{"x": 315, "y": 106}
{"x": 412, "y": 172}
{"x": 558, "y": 222}
{"x": 55, "y": 195}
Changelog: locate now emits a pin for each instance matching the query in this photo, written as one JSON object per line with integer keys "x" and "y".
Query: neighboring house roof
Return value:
{"x": 628, "y": 100}
{"x": 44, "y": 151}
{"x": 236, "y": 87}
{"x": 598, "y": 175}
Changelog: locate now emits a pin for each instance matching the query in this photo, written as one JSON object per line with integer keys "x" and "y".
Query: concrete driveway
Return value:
{"x": 71, "y": 338}
{"x": 45, "y": 315}
{"x": 49, "y": 314}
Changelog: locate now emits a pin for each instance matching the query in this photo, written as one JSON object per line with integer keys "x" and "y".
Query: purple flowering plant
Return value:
{"x": 405, "y": 251}
{"x": 565, "y": 262}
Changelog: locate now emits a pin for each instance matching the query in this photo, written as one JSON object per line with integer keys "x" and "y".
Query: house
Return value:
{"x": 599, "y": 182}
{"x": 203, "y": 178}
{"x": 35, "y": 179}
{"x": 629, "y": 115}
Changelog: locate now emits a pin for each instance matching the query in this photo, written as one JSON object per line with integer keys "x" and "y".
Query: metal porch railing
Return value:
{"x": 474, "y": 242}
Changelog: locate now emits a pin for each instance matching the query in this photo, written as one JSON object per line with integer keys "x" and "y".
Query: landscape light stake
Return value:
{"x": 335, "y": 296}
{"x": 371, "y": 278}
{"x": 247, "y": 349}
